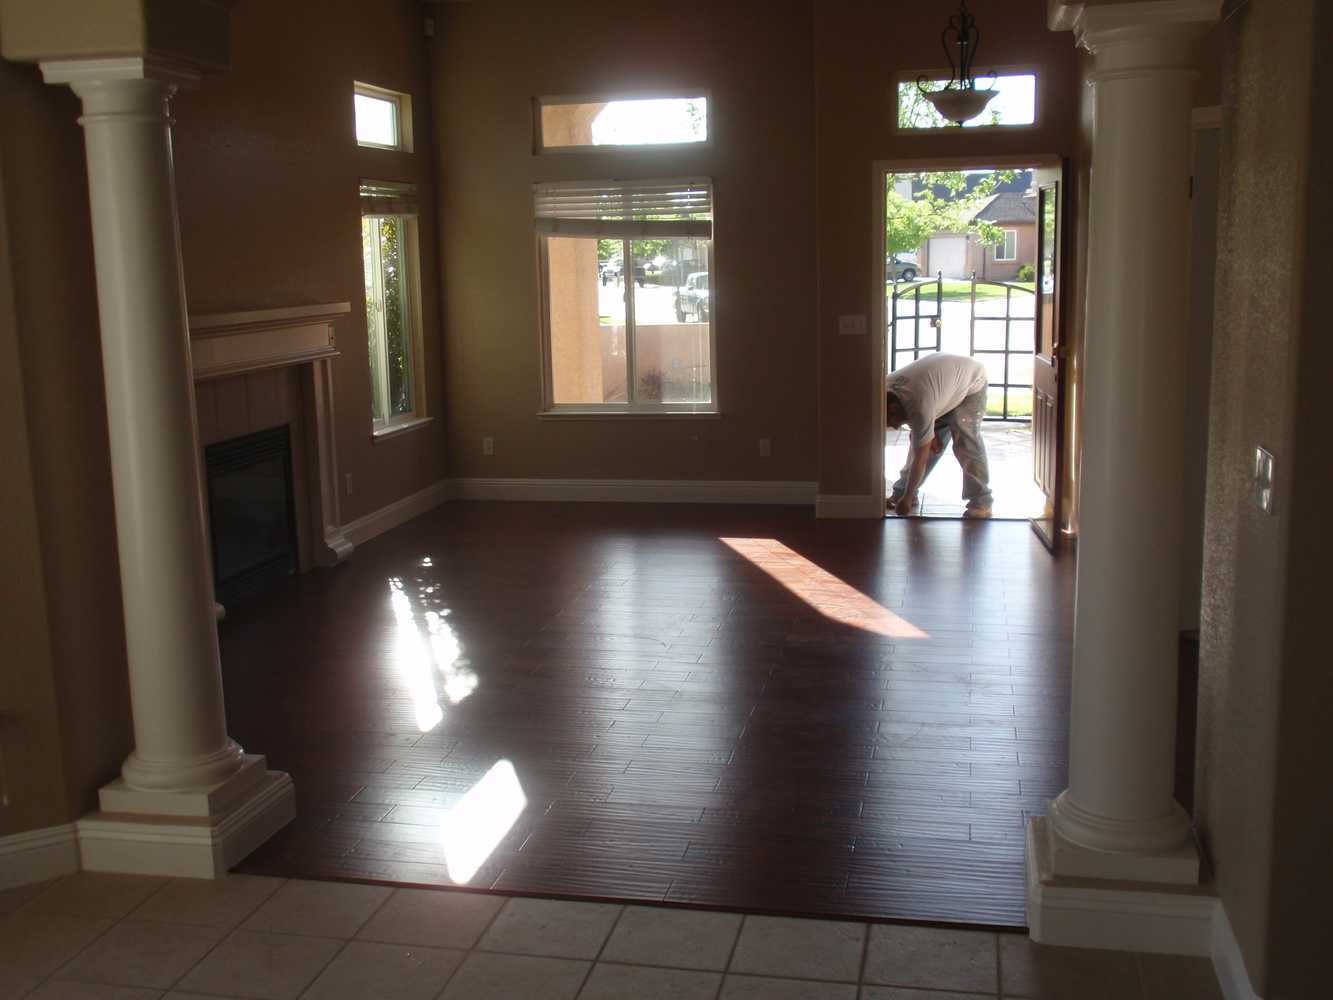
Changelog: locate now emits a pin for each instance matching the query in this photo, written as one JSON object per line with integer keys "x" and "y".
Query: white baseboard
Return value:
{"x": 1127, "y": 917}
{"x": 377, "y": 522}
{"x": 1228, "y": 962}
{"x": 38, "y": 855}
{"x": 186, "y": 848}
{"x": 848, "y": 505}
{"x": 744, "y": 491}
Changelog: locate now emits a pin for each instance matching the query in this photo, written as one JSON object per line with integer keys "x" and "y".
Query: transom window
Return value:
{"x": 627, "y": 310}
{"x": 1007, "y": 248}
{"x": 580, "y": 123}
{"x": 390, "y": 257}
{"x": 1015, "y": 102}
{"x": 383, "y": 118}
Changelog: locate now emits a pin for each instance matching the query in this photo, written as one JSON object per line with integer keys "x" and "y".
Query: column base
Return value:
{"x": 1161, "y": 852}
{"x": 189, "y": 834}
{"x": 1116, "y": 914}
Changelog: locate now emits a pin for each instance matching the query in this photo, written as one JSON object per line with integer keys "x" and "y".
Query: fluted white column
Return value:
{"x": 1118, "y": 818}
{"x": 180, "y": 730}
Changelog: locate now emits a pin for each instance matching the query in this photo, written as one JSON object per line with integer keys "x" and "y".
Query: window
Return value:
{"x": 393, "y": 324}
{"x": 1015, "y": 103}
{"x": 383, "y": 118}
{"x": 1007, "y": 249}
{"x": 627, "y": 304}
{"x": 565, "y": 123}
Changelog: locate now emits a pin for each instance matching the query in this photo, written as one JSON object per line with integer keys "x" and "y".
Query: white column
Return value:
{"x": 183, "y": 763}
{"x": 1118, "y": 819}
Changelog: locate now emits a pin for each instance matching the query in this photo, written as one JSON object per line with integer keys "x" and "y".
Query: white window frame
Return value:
{"x": 912, "y": 76}
{"x": 1004, "y": 245}
{"x": 627, "y": 232}
{"x": 390, "y": 200}
{"x": 539, "y": 141}
{"x": 402, "y": 106}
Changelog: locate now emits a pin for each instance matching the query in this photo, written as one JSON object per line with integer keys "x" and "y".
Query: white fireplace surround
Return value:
{"x": 224, "y": 344}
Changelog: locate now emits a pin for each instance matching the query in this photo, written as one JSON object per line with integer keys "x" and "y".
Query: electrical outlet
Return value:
{"x": 348, "y": 483}
{"x": 765, "y": 447}
{"x": 852, "y": 326}
{"x": 488, "y": 445}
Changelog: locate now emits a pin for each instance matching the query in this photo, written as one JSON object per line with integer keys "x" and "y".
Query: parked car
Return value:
{"x": 902, "y": 269}
{"x": 615, "y": 269}
{"x": 692, "y": 298}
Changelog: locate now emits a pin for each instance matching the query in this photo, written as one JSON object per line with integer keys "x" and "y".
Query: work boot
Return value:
{"x": 978, "y": 512}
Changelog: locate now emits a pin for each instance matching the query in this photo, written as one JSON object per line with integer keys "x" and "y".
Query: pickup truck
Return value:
{"x": 692, "y": 298}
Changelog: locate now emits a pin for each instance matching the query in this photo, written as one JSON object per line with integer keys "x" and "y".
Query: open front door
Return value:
{"x": 1048, "y": 376}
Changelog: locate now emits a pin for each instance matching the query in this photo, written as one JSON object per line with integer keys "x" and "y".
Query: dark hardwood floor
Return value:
{"x": 722, "y": 706}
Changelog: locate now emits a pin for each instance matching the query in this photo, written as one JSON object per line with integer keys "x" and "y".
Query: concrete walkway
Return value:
{"x": 1009, "y": 449}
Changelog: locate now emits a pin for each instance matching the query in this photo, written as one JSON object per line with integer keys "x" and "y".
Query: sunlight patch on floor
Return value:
{"x": 820, "y": 589}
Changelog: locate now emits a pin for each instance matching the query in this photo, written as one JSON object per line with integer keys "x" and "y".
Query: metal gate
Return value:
{"x": 916, "y": 318}
{"x": 906, "y": 320}
{"x": 1015, "y": 348}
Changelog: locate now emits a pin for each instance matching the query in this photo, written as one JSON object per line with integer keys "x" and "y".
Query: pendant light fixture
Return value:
{"x": 960, "y": 100}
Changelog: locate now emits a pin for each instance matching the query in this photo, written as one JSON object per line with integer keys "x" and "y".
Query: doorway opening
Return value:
{"x": 962, "y": 249}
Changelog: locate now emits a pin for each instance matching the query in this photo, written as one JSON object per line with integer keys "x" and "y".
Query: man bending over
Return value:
{"x": 942, "y": 397}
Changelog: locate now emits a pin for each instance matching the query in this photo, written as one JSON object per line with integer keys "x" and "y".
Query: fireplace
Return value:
{"x": 262, "y": 369}
{"x": 252, "y": 512}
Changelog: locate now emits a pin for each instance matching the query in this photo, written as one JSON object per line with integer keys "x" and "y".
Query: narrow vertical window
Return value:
{"x": 389, "y": 256}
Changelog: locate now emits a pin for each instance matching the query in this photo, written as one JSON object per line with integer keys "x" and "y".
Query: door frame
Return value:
{"x": 880, "y": 169}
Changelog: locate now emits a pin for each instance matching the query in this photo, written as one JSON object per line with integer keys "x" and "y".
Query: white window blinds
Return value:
{"x": 388, "y": 198}
{"x": 626, "y": 209}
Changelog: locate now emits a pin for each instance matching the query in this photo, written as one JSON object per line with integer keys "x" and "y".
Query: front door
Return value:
{"x": 1047, "y": 370}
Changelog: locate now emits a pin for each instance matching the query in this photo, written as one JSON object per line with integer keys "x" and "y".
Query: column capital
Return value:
{"x": 76, "y": 72}
{"x": 1139, "y": 35}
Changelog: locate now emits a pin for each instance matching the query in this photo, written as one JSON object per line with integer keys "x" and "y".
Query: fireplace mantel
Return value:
{"x": 237, "y": 343}
{"x": 231, "y": 343}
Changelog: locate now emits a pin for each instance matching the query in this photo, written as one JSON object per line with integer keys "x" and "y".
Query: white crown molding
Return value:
{"x": 744, "y": 491}
{"x": 38, "y": 855}
{"x": 1061, "y": 15}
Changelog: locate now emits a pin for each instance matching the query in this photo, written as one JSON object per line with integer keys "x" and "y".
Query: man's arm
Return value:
{"x": 920, "y": 459}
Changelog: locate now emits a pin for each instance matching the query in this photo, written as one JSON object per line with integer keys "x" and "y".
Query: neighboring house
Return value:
{"x": 960, "y": 255}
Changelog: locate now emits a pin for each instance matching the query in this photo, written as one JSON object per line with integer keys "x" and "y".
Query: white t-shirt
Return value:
{"x": 934, "y": 385}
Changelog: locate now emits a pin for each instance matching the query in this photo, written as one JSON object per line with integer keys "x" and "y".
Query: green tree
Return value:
{"x": 941, "y": 202}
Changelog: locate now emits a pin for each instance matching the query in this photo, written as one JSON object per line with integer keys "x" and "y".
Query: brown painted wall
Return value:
{"x": 267, "y": 169}
{"x": 1263, "y": 652}
{"x": 754, "y": 61}
{"x": 60, "y": 353}
{"x": 31, "y": 761}
{"x": 267, "y": 172}
{"x": 858, "y": 45}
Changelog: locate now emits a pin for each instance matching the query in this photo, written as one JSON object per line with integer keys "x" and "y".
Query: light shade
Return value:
{"x": 959, "y": 105}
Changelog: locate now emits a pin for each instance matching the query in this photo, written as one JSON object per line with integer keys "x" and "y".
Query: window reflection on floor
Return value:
{"x": 427, "y": 655}
{"x": 822, "y": 590}
{"x": 478, "y": 821}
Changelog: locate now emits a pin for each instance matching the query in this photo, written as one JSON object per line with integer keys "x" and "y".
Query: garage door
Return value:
{"x": 949, "y": 254}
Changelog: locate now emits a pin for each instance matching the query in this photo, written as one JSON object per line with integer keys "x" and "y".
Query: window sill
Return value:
{"x": 629, "y": 415}
{"x": 402, "y": 427}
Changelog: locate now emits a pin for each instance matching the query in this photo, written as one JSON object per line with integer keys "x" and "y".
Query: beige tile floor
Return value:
{"x": 121, "y": 937}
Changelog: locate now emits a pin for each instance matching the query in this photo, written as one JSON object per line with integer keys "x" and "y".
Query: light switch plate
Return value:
{"x": 852, "y": 326}
{"x": 1263, "y": 479}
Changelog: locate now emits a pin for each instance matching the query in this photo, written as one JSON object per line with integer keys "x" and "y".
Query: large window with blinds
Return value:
{"x": 627, "y": 296}
{"x": 393, "y": 322}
